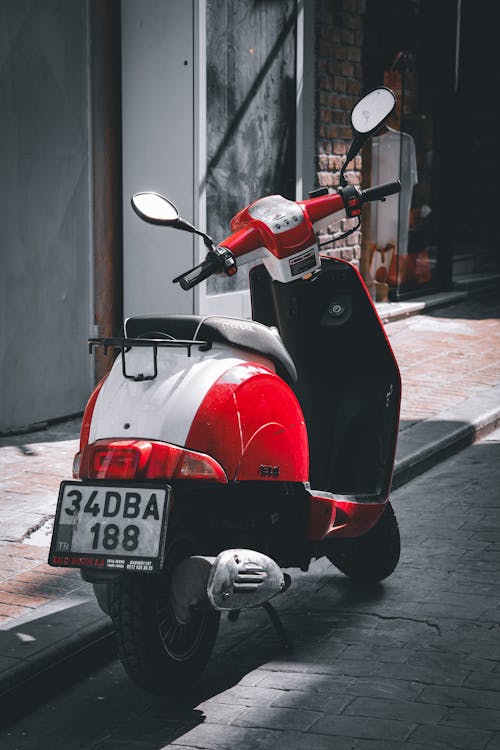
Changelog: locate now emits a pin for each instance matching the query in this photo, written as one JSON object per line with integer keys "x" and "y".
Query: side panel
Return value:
{"x": 251, "y": 422}
{"x": 349, "y": 384}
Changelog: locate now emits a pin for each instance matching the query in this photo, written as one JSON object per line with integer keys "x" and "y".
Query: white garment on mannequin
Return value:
{"x": 393, "y": 157}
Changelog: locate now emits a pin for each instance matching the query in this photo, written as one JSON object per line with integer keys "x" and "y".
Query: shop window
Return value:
{"x": 403, "y": 235}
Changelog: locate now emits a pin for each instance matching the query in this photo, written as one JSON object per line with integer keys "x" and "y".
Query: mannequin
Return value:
{"x": 393, "y": 157}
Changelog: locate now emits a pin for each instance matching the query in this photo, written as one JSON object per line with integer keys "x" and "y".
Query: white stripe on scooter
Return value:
{"x": 163, "y": 408}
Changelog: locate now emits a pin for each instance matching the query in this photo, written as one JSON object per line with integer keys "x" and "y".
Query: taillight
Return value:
{"x": 120, "y": 459}
{"x": 199, "y": 466}
{"x": 177, "y": 463}
{"x": 141, "y": 459}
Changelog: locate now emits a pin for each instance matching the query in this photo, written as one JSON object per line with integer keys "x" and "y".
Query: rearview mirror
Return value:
{"x": 154, "y": 208}
{"x": 367, "y": 116}
{"x": 371, "y": 110}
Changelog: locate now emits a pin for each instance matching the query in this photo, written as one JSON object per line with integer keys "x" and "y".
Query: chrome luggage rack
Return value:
{"x": 125, "y": 344}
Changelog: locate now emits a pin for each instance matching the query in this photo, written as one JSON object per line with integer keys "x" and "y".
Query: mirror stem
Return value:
{"x": 187, "y": 227}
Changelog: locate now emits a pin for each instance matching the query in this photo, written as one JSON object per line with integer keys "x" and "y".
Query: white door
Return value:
{"x": 158, "y": 73}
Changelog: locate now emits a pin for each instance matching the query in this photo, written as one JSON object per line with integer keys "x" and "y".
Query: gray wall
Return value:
{"x": 44, "y": 193}
{"x": 158, "y": 149}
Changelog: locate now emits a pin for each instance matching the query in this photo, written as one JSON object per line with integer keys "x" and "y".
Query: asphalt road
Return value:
{"x": 411, "y": 663}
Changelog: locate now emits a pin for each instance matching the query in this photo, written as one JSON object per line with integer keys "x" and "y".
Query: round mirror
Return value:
{"x": 372, "y": 109}
{"x": 154, "y": 207}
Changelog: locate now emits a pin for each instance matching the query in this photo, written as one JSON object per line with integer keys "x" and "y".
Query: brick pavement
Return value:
{"x": 445, "y": 357}
{"x": 31, "y": 468}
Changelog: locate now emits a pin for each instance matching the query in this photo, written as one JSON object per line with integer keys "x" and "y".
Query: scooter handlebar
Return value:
{"x": 218, "y": 260}
{"x": 379, "y": 192}
{"x": 199, "y": 273}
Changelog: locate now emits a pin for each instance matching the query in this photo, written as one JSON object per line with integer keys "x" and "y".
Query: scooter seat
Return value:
{"x": 244, "y": 334}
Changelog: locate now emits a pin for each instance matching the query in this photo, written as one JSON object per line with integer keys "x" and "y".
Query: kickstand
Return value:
{"x": 285, "y": 642}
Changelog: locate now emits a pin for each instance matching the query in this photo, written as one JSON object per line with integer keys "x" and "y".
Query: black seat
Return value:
{"x": 245, "y": 334}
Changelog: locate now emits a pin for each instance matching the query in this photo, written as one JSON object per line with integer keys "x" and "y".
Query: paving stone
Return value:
{"x": 12, "y": 610}
{"x": 388, "y": 745}
{"x": 451, "y": 696}
{"x": 451, "y": 658}
{"x": 375, "y": 653}
{"x": 451, "y": 737}
{"x": 22, "y": 600}
{"x": 243, "y": 695}
{"x": 47, "y": 580}
{"x": 344, "y": 667}
{"x": 312, "y": 683}
{"x": 383, "y": 687}
{"x": 9, "y": 564}
{"x": 277, "y": 718}
{"x": 287, "y": 740}
{"x": 407, "y": 711}
{"x": 425, "y": 675}
{"x": 363, "y": 727}
{"x": 222, "y": 712}
{"x": 481, "y": 718}
{"x": 219, "y": 737}
{"x": 484, "y": 680}
{"x": 302, "y": 699}
{"x": 30, "y": 588}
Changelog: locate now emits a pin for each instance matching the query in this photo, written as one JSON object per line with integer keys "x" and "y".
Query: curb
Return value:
{"x": 389, "y": 312}
{"x": 435, "y": 439}
{"x": 71, "y": 650}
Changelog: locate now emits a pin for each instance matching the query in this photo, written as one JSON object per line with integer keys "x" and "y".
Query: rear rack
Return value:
{"x": 125, "y": 344}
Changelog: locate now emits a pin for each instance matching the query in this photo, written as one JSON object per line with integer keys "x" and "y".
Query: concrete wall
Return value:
{"x": 44, "y": 231}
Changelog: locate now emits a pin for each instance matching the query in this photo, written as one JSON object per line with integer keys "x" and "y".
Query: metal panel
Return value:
{"x": 44, "y": 184}
{"x": 158, "y": 121}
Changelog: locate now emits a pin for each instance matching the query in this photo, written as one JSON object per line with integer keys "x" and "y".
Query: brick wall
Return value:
{"x": 339, "y": 84}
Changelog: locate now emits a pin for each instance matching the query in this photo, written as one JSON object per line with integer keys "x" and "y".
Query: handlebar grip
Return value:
{"x": 199, "y": 273}
{"x": 379, "y": 192}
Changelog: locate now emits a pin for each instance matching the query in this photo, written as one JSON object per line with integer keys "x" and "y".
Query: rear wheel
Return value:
{"x": 373, "y": 556}
{"x": 159, "y": 653}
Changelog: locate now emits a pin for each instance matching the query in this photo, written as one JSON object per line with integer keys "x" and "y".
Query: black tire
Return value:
{"x": 373, "y": 556}
{"x": 102, "y": 592}
{"x": 158, "y": 653}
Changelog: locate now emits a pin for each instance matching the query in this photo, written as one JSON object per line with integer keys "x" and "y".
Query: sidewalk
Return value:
{"x": 450, "y": 368}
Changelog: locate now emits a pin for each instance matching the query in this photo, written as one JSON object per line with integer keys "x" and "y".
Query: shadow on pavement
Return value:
{"x": 68, "y": 429}
{"x": 479, "y": 306}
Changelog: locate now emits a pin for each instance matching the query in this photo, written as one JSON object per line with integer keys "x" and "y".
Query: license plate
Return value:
{"x": 110, "y": 527}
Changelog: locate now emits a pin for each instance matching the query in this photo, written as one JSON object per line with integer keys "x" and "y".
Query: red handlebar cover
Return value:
{"x": 243, "y": 240}
{"x": 325, "y": 205}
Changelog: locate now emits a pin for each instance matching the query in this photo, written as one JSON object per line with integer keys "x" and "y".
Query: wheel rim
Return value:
{"x": 180, "y": 640}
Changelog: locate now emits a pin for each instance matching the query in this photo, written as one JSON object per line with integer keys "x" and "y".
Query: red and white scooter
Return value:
{"x": 219, "y": 451}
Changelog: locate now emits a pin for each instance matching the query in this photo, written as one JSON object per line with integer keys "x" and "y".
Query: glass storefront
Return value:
{"x": 405, "y": 51}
